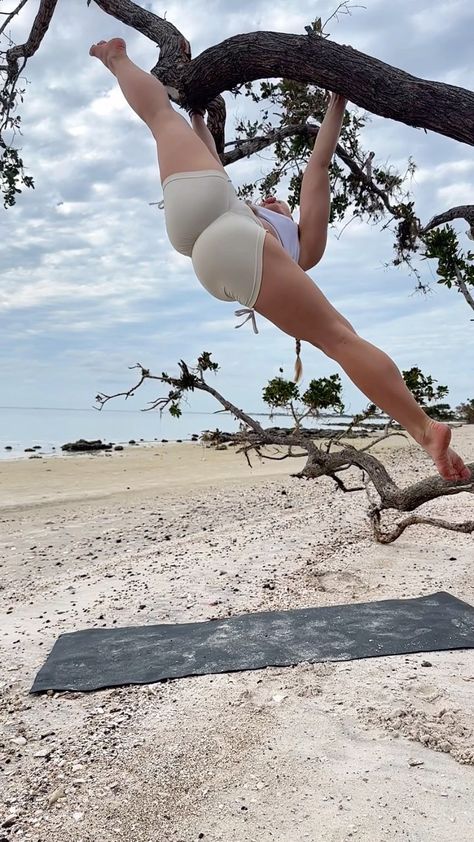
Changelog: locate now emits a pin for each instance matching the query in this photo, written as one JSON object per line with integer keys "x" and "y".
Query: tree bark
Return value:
{"x": 366, "y": 81}
{"x": 38, "y": 31}
{"x": 460, "y": 212}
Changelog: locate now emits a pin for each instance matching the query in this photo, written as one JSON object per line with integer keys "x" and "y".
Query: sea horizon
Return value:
{"x": 46, "y": 429}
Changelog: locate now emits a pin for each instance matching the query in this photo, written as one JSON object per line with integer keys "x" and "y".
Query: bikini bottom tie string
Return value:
{"x": 250, "y": 316}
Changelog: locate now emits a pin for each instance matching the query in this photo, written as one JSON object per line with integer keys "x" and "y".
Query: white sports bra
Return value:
{"x": 285, "y": 228}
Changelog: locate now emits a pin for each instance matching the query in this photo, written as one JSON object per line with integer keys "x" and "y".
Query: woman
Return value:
{"x": 244, "y": 254}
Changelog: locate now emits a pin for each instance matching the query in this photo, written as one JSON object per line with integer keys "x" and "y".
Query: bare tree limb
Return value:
{"x": 388, "y": 537}
{"x": 38, "y": 31}
{"x": 319, "y": 463}
{"x": 256, "y": 144}
{"x": 149, "y": 24}
{"x": 11, "y": 15}
{"x": 391, "y": 496}
{"x": 197, "y": 383}
{"x": 462, "y": 286}
{"x": 460, "y": 212}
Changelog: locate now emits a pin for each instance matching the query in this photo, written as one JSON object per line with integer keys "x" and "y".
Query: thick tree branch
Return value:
{"x": 38, "y": 31}
{"x": 174, "y": 48}
{"x": 151, "y": 25}
{"x": 460, "y": 212}
{"x": 368, "y": 82}
{"x": 391, "y": 496}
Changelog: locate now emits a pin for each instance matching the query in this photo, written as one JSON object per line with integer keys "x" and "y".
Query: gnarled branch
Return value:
{"x": 368, "y": 82}
{"x": 462, "y": 287}
{"x": 256, "y": 144}
{"x": 319, "y": 463}
{"x": 383, "y": 537}
{"x": 38, "y": 31}
{"x": 460, "y": 212}
{"x": 175, "y": 55}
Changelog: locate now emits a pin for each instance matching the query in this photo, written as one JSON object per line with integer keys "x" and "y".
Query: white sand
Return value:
{"x": 375, "y": 749}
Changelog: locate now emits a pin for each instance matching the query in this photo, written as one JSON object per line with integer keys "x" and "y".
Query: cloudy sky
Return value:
{"x": 88, "y": 282}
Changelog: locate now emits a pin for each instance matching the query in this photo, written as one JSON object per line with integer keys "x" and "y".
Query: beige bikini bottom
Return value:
{"x": 206, "y": 221}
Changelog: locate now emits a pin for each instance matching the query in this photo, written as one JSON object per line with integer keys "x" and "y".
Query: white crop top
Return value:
{"x": 285, "y": 228}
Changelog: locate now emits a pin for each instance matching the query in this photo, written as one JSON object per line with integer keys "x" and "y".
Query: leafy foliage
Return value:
{"x": 441, "y": 412}
{"x": 442, "y": 244}
{"x": 11, "y": 174}
{"x": 279, "y": 393}
{"x": 323, "y": 393}
{"x": 296, "y": 104}
{"x": 422, "y": 386}
{"x": 465, "y": 411}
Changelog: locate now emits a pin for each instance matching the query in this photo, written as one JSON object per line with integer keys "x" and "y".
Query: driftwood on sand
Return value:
{"x": 330, "y": 459}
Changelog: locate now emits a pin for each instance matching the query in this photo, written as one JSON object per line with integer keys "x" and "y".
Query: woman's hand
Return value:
{"x": 337, "y": 102}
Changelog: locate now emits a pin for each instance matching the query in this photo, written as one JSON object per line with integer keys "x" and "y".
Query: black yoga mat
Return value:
{"x": 97, "y": 658}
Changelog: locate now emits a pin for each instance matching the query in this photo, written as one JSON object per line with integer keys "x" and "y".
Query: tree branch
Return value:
{"x": 391, "y": 496}
{"x": 319, "y": 463}
{"x": 460, "y": 212}
{"x": 462, "y": 286}
{"x": 368, "y": 82}
{"x": 388, "y": 537}
{"x": 256, "y": 144}
{"x": 29, "y": 48}
{"x": 11, "y": 15}
{"x": 154, "y": 27}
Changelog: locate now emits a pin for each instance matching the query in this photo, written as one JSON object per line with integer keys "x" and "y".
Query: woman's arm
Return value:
{"x": 315, "y": 197}
{"x": 199, "y": 125}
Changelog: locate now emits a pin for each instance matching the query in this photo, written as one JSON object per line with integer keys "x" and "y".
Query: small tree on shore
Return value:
{"x": 423, "y": 388}
{"x": 320, "y": 395}
{"x": 465, "y": 411}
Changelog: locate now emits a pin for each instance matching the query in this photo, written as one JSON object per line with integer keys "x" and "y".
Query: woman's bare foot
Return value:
{"x": 107, "y": 51}
{"x": 436, "y": 443}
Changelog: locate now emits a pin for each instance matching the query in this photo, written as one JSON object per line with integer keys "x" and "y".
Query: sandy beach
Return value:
{"x": 376, "y": 749}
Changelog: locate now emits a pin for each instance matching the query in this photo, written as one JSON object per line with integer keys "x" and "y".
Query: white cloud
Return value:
{"x": 433, "y": 21}
{"x": 444, "y": 171}
{"x": 458, "y": 193}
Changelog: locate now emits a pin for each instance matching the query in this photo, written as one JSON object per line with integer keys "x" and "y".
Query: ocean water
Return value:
{"x": 48, "y": 428}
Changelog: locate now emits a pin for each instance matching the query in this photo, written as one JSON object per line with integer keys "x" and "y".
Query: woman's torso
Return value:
{"x": 284, "y": 229}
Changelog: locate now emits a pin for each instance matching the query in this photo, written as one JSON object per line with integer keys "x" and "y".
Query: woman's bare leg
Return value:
{"x": 179, "y": 147}
{"x": 289, "y": 298}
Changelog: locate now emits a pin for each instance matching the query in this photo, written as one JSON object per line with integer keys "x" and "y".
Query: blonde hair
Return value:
{"x": 298, "y": 363}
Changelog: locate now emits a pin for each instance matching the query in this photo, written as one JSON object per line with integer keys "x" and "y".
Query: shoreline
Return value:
{"x": 144, "y": 468}
{"x": 155, "y": 467}
{"x": 10, "y": 453}
{"x": 44, "y": 445}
